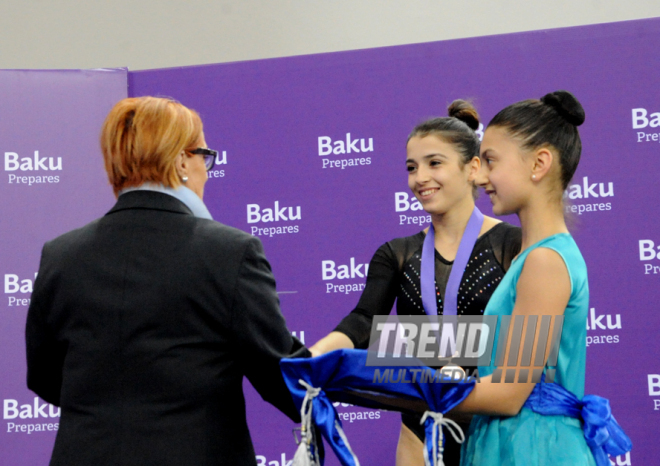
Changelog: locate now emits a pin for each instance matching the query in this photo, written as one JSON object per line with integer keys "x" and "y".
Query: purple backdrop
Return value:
{"x": 273, "y": 121}
{"x": 52, "y": 181}
{"x": 267, "y": 117}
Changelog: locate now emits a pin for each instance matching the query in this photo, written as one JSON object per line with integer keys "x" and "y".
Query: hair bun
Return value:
{"x": 566, "y": 105}
{"x": 464, "y": 111}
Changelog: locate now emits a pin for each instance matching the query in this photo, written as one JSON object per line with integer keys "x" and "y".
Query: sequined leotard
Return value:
{"x": 394, "y": 275}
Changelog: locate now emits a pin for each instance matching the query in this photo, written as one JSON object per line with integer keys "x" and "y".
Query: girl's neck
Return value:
{"x": 450, "y": 226}
{"x": 539, "y": 220}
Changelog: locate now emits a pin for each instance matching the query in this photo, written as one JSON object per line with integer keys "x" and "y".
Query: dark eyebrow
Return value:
{"x": 428, "y": 156}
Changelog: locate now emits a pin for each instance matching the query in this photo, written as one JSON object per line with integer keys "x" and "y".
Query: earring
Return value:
{"x": 184, "y": 179}
{"x": 533, "y": 177}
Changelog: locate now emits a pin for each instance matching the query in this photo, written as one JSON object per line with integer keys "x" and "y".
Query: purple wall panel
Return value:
{"x": 52, "y": 181}
{"x": 266, "y": 118}
{"x": 268, "y": 115}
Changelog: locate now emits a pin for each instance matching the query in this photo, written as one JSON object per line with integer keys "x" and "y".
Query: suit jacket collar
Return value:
{"x": 150, "y": 200}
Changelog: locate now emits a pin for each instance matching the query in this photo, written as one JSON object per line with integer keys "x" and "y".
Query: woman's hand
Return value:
{"x": 333, "y": 341}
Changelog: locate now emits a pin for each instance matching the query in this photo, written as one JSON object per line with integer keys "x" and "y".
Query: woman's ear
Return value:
{"x": 542, "y": 161}
{"x": 181, "y": 164}
{"x": 474, "y": 166}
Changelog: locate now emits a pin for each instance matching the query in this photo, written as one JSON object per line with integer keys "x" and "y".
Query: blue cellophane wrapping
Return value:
{"x": 343, "y": 375}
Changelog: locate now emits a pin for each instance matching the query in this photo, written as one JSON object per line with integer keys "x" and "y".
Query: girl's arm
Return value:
{"x": 543, "y": 289}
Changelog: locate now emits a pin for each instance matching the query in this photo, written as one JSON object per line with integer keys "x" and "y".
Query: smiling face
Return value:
{"x": 505, "y": 171}
{"x": 436, "y": 175}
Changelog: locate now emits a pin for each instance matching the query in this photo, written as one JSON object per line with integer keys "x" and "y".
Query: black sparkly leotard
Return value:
{"x": 394, "y": 275}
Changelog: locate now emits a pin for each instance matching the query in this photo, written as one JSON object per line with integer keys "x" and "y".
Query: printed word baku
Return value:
{"x": 23, "y": 168}
{"x": 257, "y": 214}
{"x": 404, "y": 203}
{"x": 641, "y": 119}
{"x": 326, "y": 146}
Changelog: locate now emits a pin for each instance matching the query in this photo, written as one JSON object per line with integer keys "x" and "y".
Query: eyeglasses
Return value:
{"x": 208, "y": 154}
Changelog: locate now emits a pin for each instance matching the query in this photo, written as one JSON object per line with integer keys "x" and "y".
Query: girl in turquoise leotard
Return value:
{"x": 529, "y": 153}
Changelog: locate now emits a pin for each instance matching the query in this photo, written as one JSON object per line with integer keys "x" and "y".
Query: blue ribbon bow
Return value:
{"x": 601, "y": 431}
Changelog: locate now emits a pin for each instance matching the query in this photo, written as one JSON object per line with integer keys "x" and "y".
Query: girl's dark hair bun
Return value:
{"x": 465, "y": 112}
{"x": 566, "y": 105}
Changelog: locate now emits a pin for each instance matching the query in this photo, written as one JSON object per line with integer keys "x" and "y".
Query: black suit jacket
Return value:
{"x": 141, "y": 327}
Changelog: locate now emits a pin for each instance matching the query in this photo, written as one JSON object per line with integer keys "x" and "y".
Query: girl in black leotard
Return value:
{"x": 442, "y": 163}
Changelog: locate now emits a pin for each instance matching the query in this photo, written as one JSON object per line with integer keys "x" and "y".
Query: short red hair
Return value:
{"x": 141, "y": 138}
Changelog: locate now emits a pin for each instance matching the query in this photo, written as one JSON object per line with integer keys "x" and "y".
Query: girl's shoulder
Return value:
{"x": 399, "y": 250}
{"x": 413, "y": 241}
{"x": 567, "y": 249}
{"x": 502, "y": 230}
{"x": 504, "y": 240}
